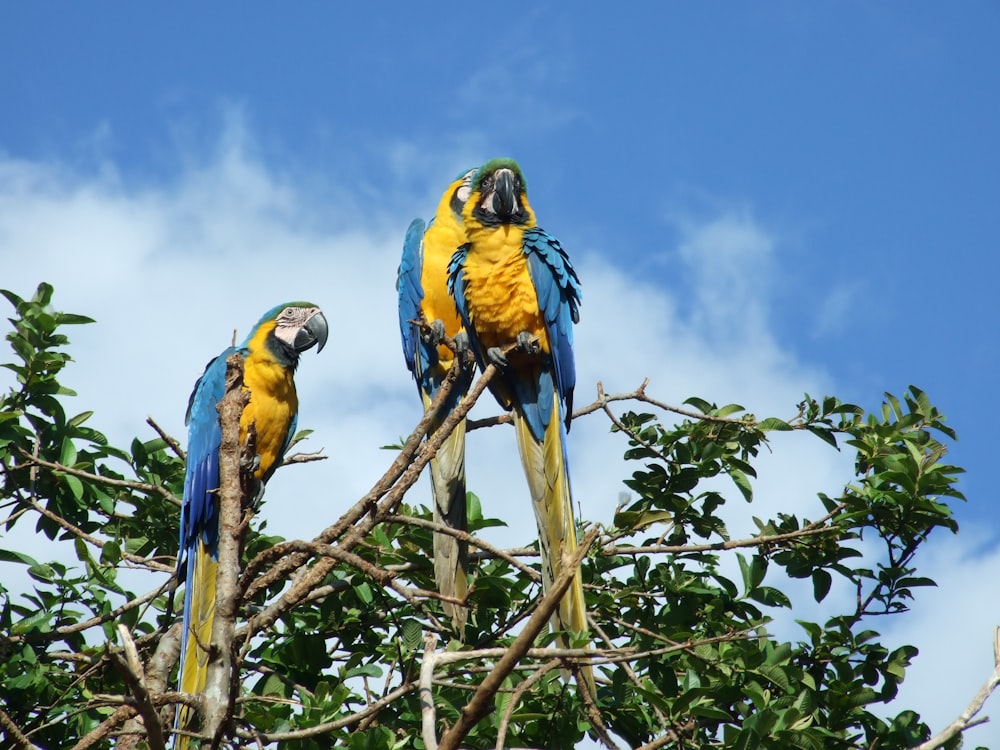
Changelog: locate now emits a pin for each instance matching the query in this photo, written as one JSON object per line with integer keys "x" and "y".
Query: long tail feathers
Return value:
{"x": 546, "y": 469}
{"x": 451, "y": 555}
{"x": 199, "y": 613}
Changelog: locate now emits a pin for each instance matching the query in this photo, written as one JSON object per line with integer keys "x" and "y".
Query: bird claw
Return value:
{"x": 436, "y": 334}
{"x": 461, "y": 343}
{"x": 527, "y": 343}
{"x": 251, "y": 464}
{"x": 496, "y": 356}
{"x": 258, "y": 497}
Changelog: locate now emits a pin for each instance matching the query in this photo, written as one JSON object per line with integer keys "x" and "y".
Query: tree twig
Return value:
{"x": 130, "y": 668}
{"x": 149, "y": 489}
{"x": 174, "y": 445}
{"x": 481, "y": 701}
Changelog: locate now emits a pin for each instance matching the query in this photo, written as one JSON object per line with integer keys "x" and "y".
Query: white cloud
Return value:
{"x": 169, "y": 269}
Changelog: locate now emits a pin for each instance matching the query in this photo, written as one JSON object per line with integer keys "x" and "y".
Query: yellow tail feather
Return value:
{"x": 201, "y": 587}
{"x": 451, "y": 556}
{"x": 548, "y": 482}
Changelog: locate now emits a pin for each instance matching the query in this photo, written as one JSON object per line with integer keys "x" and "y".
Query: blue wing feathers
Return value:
{"x": 558, "y": 290}
{"x": 410, "y": 290}
{"x": 199, "y": 515}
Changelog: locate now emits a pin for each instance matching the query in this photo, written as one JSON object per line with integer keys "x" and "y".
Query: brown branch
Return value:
{"x": 519, "y": 693}
{"x": 303, "y": 458}
{"x": 174, "y": 445}
{"x": 78, "y": 627}
{"x": 756, "y": 541}
{"x": 288, "y": 563}
{"x": 482, "y": 701}
{"x": 130, "y": 668}
{"x": 427, "y": 714}
{"x": 331, "y": 726}
{"x": 493, "y": 552}
{"x": 14, "y": 734}
{"x": 355, "y": 524}
{"x": 99, "y": 734}
{"x": 234, "y": 483}
{"x": 149, "y": 489}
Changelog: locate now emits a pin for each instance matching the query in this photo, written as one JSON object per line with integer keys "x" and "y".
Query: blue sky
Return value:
{"x": 761, "y": 199}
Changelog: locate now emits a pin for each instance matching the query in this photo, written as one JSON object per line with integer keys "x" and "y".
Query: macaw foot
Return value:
{"x": 436, "y": 334}
{"x": 496, "y": 356}
{"x": 461, "y": 343}
{"x": 527, "y": 343}
{"x": 250, "y": 465}
{"x": 258, "y": 497}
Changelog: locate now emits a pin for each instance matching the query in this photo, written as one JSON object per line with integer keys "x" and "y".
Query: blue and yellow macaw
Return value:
{"x": 513, "y": 284}
{"x": 270, "y": 354}
{"x": 422, "y": 284}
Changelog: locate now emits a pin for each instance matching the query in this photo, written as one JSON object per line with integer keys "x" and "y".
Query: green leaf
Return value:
{"x": 822, "y": 581}
{"x": 774, "y": 424}
{"x": 742, "y": 483}
{"x": 8, "y": 555}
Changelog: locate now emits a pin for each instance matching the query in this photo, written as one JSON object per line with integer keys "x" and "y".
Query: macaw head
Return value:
{"x": 291, "y": 329}
{"x": 500, "y": 193}
{"x": 459, "y": 191}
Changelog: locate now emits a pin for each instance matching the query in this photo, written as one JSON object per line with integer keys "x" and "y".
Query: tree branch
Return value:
{"x": 481, "y": 702}
{"x": 149, "y": 489}
{"x": 14, "y": 734}
{"x": 234, "y": 482}
{"x": 355, "y": 525}
{"x": 130, "y": 668}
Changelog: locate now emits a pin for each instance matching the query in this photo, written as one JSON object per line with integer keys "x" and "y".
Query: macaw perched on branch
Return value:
{"x": 270, "y": 355}
{"x": 422, "y": 284}
{"x": 513, "y": 284}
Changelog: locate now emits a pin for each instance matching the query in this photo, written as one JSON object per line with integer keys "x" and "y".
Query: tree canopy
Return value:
{"x": 341, "y": 640}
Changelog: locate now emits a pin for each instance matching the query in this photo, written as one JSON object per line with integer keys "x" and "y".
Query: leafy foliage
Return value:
{"x": 686, "y": 658}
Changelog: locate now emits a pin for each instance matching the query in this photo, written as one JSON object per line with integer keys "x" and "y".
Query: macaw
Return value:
{"x": 513, "y": 284}
{"x": 422, "y": 284}
{"x": 270, "y": 355}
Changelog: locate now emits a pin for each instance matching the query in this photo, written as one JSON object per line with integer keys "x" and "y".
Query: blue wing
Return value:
{"x": 200, "y": 513}
{"x": 411, "y": 292}
{"x": 456, "y": 288}
{"x": 558, "y": 290}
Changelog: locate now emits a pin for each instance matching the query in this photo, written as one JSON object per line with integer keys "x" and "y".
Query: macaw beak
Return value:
{"x": 315, "y": 331}
{"x": 505, "y": 203}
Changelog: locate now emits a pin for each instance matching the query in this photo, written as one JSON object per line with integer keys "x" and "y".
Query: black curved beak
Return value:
{"x": 505, "y": 204}
{"x": 315, "y": 331}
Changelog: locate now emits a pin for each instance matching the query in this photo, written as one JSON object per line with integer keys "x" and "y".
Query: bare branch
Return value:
{"x": 303, "y": 458}
{"x": 174, "y": 445}
{"x": 131, "y": 671}
{"x": 234, "y": 483}
{"x": 331, "y": 726}
{"x": 519, "y": 693}
{"x": 64, "y": 630}
{"x": 149, "y": 489}
{"x": 355, "y": 524}
{"x": 481, "y": 701}
{"x": 427, "y": 713}
{"x": 17, "y": 738}
{"x": 99, "y": 734}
